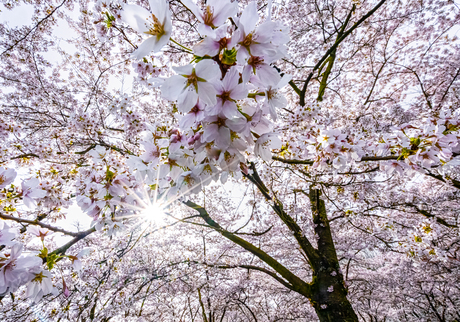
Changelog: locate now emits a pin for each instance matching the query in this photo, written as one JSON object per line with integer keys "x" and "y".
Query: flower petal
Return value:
{"x": 160, "y": 9}
{"x": 206, "y": 30}
{"x": 247, "y": 71}
{"x": 172, "y": 87}
{"x": 187, "y": 100}
{"x": 242, "y": 55}
{"x": 136, "y": 17}
{"x": 207, "y": 93}
{"x": 194, "y": 9}
{"x": 229, "y": 109}
{"x": 163, "y": 41}
{"x": 284, "y": 81}
{"x": 145, "y": 48}
{"x": 237, "y": 124}
{"x": 210, "y": 132}
{"x": 183, "y": 70}
{"x": 249, "y": 17}
{"x": 231, "y": 79}
{"x": 223, "y": 139}
{"x": 207, "y": 69}
{"x": 187, "y": 121}
{"x": 222, "y": 11}
{"x": 37, "y": 193}
{"x": 239, "y": 92}
{"x": 207, "y": 46}
{"x": 268, "y": 75}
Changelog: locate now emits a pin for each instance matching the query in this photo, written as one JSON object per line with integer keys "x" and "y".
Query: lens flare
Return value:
{"x": 154, "y": 213}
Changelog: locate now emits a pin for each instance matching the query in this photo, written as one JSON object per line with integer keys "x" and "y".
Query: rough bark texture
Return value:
{"x": 329, "y": 294}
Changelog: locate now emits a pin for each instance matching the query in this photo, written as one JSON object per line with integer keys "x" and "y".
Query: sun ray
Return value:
{"x": 152, "y": 209}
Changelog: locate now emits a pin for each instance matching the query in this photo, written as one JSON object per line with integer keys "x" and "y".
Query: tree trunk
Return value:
{"x": 339, "y": 312}
{"x": 330, "y": 298}
{"x": 329, "y": 294}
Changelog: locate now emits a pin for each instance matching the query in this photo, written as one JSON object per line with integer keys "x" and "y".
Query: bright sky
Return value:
{"x": 18, "y": 16}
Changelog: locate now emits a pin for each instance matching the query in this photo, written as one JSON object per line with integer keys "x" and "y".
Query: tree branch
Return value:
{"x": 33, "y": 28}
{"x": 256, "y": 268}
{"x": 38, "y": 223}
{"x": 455, "y": 183}
{"x": 297, "y": 284}
{"x": 277, "y": 206}
{"x": 429, "y": 215}
{"x": 334, "y": 47}
{"x": 61, "y": 250}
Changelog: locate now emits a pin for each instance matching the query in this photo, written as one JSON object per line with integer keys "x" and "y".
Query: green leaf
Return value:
{"x": 229, "y": 56}
{"x": 43, "y": 253}
{"x": 51, "y": 259}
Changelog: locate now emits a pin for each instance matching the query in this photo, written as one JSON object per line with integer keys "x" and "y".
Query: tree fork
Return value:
{"x": 328, "y": 293}
{"x": 331, "y": 304}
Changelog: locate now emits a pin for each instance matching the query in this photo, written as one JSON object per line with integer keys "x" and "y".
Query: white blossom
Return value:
{"x": 156, "y": 25}
{"x": 7, "y": 176}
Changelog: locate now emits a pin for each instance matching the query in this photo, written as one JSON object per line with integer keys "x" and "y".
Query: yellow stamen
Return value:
{"x": 156, "y": 28}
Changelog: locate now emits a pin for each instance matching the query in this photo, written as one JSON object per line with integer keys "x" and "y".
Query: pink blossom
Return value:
{"x": 38, "y": 231}
{"x": 14, "y": 268}
{"x": 215, "y": 129}
{"x": 76, "y": 260}
{"x": 40, "y": 285}
{"x": 193, "y": 82}
{"x": 152, "y": 153}
{"x": 265, "y": 143}
{"x": 7, "y": 234}
{"x": 195, "y": 116}
{"x": 266, "y": 74}
{"x": 7, "y": 176}
{"x": 212, "y": 45}
{"x": 228, "y": 92}
{"x": 31, "y": 190}
{"x": 253, "y": 42}
{"x": 214, "y": 15}
{"x": 156, "y": 25}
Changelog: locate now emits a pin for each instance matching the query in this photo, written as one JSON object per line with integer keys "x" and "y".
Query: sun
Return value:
{"x": 154, "y": 213}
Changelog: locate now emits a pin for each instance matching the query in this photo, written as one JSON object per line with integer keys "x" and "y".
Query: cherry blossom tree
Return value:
{"x": 238, "y": 160}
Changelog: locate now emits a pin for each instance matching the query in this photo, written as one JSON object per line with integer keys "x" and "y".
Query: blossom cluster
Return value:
{"x": 18, "y": 268}
{"x": 18, "y": 265}
{"x": 432, "y": 144}
{"x": 225, "y": 101}
{"x": 104, "y": 188}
